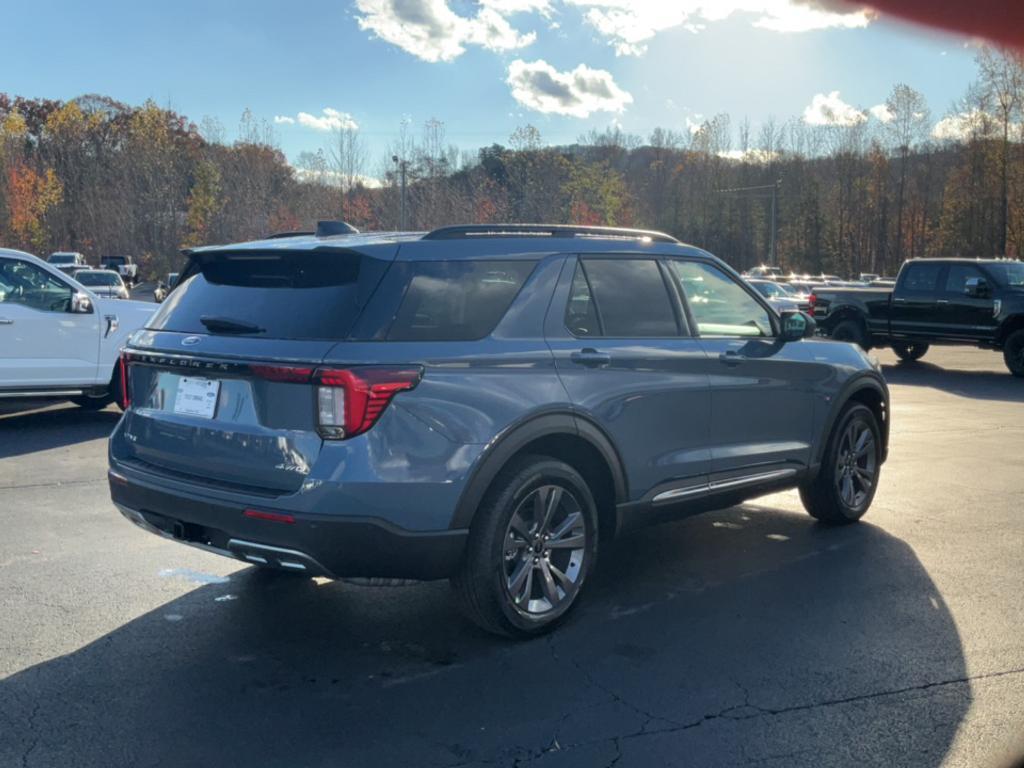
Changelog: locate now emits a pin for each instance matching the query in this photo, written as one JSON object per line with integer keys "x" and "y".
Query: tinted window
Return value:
{"x": 98, "y": 278}
{"x": 580, "y": 312}
{"x": 457, "y": 300}
{"x": 1010, "y": 273}
{"x": 28, "y": 285}
{"x": 958, "y": 276}
{"x": 630, "y": 297}
{"x": 719, "y": 305}
{"x": 285, "y": 295}
{"x": 921, "y": 277}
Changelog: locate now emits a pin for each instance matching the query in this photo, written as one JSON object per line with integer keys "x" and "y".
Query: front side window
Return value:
{"x": 959, "y": 274}
{"x": 457, "y": 300}
{"x": 30, "y": 286}
{"x": 720, "y": 306}
{"x": 620, "y": 298}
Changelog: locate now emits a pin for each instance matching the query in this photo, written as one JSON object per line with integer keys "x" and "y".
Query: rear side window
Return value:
{"x": 922, "y": 278}
{"x": 620, "y": 298}
{"x": 279, "y": 295}
{"x": 959, "y": 274}
{"x": 457, "y": 300}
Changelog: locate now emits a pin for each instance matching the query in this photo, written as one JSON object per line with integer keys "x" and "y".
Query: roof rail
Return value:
{"x": 544, "y": 230}
{"x": 279, "y": 235}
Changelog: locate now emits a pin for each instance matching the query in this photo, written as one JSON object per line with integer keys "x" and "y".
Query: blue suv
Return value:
{"x": 481, "y": 403}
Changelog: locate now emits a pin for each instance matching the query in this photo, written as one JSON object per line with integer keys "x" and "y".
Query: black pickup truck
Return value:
{"x": 935, "y": 301}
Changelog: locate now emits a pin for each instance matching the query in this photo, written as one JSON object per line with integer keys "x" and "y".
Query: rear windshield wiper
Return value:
{"x": 227, "y": 325}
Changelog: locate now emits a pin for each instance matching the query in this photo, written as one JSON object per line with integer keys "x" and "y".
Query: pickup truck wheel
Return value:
{"x": 848, "y": 478}
{"x": 852, "y": 331}
{"x": 910, "y": 352}
{"x": 531, "y": 546}
{"x": 1013, "y": 352}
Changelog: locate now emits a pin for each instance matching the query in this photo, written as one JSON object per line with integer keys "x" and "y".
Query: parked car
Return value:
{"x": 72, "y": 269}
{"x": 165, "y": 287}
{"x": 780, "y": 295}
{"x": 103, "y": 282}
{"x": 57, "y": 337}
{"x": 935, "y": 301}
{"x": 125, "y": 266}
{"x": 485, "y": 404}
{"x": 765, "y": 271}
{"x": 66, "y": 258}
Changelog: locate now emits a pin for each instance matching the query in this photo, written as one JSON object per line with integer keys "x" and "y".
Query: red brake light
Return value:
{"x": 126, "y": 398}
{"x": 350, "y": 400}
{"x": 286, "y": 373}
{"x": 812, "y": 300}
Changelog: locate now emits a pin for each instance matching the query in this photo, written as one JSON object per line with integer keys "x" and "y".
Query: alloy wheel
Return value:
{"x": 544, "y": 548}
{"x": 856, "y": 464}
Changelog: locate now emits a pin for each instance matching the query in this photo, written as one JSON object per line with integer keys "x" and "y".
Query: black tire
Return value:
{"x": 851, "y": 331}
{"x": 910, "y": 351}
{"x": 497, "y": 555}
{"x": 1013, "y": 353}
{"x": 824, "y": 497}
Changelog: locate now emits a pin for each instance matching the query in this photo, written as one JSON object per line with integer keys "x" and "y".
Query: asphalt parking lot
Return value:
{"x": 747, "y": 636}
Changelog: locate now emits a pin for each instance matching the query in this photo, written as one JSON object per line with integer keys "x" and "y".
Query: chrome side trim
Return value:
{"x": 674, "y": 494}
{"x": 44, "y": 393}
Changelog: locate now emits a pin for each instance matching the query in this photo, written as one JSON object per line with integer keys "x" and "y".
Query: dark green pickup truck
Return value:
{"x": 935, "y": 301}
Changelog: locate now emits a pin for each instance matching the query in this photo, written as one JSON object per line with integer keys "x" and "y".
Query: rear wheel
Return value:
{"x": 851, "y": 331}
{"x": 1013, "y": 353}
{"x": 531, "y": 546}
{"x": 911, "y": 351}
{"x": 846, "y": 483}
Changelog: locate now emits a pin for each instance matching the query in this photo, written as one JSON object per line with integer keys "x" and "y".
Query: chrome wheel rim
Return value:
{"x": 544, "y": 549}
{"x": 856, "y": 464}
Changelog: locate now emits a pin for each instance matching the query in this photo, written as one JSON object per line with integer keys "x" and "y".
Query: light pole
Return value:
{"x": 402, "y": 166}
{"x": 764, "y": 190}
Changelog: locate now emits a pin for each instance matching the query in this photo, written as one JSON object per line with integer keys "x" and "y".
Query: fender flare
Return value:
{"x": 865, "y": 380}
{"x": 497, "y": 454}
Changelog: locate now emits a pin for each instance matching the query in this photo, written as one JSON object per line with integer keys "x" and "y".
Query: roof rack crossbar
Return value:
{"x": 544, "y": 230}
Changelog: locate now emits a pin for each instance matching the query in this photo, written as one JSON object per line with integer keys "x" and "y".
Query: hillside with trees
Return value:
{"x": 860, "y": 192}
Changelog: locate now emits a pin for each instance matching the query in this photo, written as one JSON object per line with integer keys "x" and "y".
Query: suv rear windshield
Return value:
{"x": 280, "y": 295}
{"x": 118, "y": 261}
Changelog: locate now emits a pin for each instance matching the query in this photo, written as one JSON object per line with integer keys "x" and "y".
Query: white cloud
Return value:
{"x": 881, "y": 113}
{"x": 333, "y": 178}
{"x": 630, "y": 24}
{"x": 430, "y": 30}
{"x": 832, "y": 110}
{"x": 539, "y": 86}
{"x": 750, "y": 156}
{"x": 329, "y": 120}
{"x": 506, "y": 7}
{"x": 964, "y": 125}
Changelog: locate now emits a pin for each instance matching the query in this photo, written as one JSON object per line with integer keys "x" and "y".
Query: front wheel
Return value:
{"x": 1013, "y": 353}
{"x": 846, "y": 483}
{"x": 531, "y": 546}
{"x": 911, "y": 351}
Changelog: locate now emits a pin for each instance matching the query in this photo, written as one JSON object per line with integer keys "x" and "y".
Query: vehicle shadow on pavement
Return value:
{"x": 742, "y": 635}
{"x": 977, "y": 385}
{"x": 33, "y": 430}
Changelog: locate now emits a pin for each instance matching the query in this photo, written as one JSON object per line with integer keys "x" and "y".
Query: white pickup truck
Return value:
{"x": 58, "y": 338}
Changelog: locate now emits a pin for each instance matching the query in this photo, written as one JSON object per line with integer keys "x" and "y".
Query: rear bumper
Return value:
{"x": 314, "y": 544}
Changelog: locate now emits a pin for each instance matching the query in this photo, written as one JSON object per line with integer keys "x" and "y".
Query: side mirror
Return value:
{"x": 976, "y": 287}
{"x": 797, "y": 325}
{"x": 81, "y": 304}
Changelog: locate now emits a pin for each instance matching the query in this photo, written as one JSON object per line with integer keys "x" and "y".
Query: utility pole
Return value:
{"x": 403, "y": 166}
{"x": 765, "y": 190}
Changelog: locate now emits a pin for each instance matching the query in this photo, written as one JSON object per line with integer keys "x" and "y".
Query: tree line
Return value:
{"x": 851, "y": 194}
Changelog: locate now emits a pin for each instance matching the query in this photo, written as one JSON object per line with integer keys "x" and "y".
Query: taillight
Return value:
{"x": 350, "y": 400}
{"x": 812, "y": 300}
{"x": 286, "y": 373}
{"x": 126, "y": 397}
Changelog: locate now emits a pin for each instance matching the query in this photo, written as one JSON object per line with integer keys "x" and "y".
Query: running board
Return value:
{"x": 675, "y": 494}
{"x": 44, "y": 393}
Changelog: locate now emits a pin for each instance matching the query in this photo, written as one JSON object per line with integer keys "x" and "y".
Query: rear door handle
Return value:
{"x": 591, "y": 358}
{"x": 6, "y": 321}
{"x": 730, "y": 357}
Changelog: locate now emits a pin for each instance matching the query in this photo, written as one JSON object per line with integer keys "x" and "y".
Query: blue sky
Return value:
{"x": 565, "y": 66}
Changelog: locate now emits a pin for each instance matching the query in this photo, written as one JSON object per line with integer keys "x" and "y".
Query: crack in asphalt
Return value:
{"x": 723, "y": 714}
{"x": 35, "y": 736}
{"x": 59, "y": 484}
